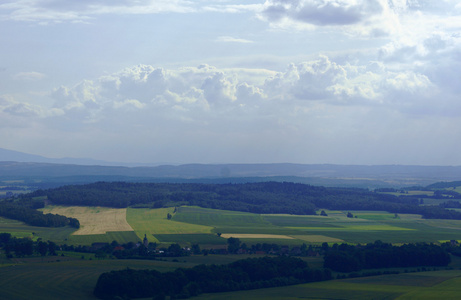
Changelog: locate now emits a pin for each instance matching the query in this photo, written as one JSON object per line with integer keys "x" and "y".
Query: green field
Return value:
{"x": 151, "y": 222}
{"x": 424, "y": 285}
{"x": 122, "y": 237}
{"x": 193, "y": 238}
{"x": 19, "y": 229}
{"x": 70, "y": 277}
{"x": 57, "y": 278}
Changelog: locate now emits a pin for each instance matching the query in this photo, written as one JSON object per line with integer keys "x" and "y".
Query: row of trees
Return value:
{"x": 348, "y": 258}
{"x": 24, "y": 210}
{"x": 21, "y": 247}
{"x": 245, "y": 274}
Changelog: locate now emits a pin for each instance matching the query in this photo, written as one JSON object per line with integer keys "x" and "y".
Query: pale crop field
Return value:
{"x": 94, "y": 220}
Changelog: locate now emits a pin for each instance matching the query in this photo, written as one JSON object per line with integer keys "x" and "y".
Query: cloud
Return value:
{"x": 83, "y": 11}
{"x": 232, "y": 8}
{"x": 229, "y": 39}
{"x": 375, "y": 18}
{"x": 250, "y": 115}
{"x": 209, "y": 94}
{"x": 56, "y": 11}
{"x": 29, "y": 76}
{"x": 15, "y": 114}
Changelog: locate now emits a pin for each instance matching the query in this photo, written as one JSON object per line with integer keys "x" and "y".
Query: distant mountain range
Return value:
{"x": 15, "y": 164}
{"x": 10, "y": 155}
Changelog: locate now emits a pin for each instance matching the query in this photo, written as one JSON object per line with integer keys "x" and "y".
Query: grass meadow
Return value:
{"x": 153, "y": 222}
{"x": 423, "y": 285}
{"x": 73, "y": 278}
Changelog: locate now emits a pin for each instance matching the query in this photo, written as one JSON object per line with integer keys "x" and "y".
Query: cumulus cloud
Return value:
{"x": 309, "y": 102}
{"x": 375, "y": 17}
{"x": 18, "y": 114}
{"x": 363, "y": 17}
{"x": 207, "y": 92}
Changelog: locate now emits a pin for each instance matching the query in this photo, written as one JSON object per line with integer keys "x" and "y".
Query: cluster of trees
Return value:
{"x": 348, "y": 258}
{"x": 26, "y": 210}
{"x": 22, "y": 247}
{"x": 261, "y": 197}
{"x": 245, "y": 274}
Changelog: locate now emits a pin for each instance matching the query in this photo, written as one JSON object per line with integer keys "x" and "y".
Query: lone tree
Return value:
{"x": 233, "y": 244}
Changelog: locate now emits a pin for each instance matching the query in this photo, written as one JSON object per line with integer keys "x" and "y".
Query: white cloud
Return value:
{"x": 83, "y": 11}
{"x": 29, "y": 76}
{"x": 14, "y": 113}
{"x": 229, "y": 39}
{"x": 56, "y": 11}
{"x": 220, "y": 6}
{"x": 209, "y": 94}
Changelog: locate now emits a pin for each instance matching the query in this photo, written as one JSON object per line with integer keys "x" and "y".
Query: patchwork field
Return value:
{"x": 198, "y": 225}
{"x": 75, "y": 278}
{"x": 190, "y": 225}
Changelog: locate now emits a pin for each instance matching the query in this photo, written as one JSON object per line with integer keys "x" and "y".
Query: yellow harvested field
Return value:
{"x": 256, "y": 236}
{"x": 94, "y": 220}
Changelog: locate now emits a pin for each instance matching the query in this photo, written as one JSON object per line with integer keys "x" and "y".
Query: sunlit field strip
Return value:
{"x": 256, "y": 236}
{"x": 355, "y": 228}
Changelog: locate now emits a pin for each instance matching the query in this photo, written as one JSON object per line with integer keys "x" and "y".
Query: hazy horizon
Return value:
{"x": 306, "y": 81}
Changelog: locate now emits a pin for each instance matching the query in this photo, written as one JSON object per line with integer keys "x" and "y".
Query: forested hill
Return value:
{"x": 262, "y": 197}
{"x": 350, "y": 175}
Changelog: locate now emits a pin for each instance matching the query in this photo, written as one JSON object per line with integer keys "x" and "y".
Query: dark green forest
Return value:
{"x": 349, "y": 258}
{"x": 251, "y": 273}
{"x": 262, "y": 197}
{"x": 25, "y": 210}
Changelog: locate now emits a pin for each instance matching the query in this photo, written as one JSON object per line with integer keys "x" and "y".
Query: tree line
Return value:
{"x": 260, "y": 197}
{"x": 348, "y": 258}
{"x": 25, "y": 210}
{"x": 21, "y": 247}
{"x": 251, "y": 273}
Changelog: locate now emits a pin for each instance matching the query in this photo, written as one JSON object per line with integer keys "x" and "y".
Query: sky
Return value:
{"x": 365, "y": 82}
